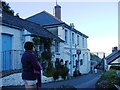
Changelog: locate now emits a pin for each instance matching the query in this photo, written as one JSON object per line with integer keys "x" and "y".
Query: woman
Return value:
{"x": 29, "y": 64}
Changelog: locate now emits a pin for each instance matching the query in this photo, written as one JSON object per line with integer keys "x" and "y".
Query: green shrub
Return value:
{"x": 56, "y": 75}
{"x": 108, "y": 79}
{"x": 64, "y": 72}
{"x": 49, "y": 73}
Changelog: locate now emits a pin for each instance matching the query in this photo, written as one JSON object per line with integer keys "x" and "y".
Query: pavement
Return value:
{"x": 9, "y": 72}
{"x": 87, "y": 81}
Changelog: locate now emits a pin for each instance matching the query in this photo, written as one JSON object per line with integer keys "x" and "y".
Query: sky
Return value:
{"x": 96, "y": 19}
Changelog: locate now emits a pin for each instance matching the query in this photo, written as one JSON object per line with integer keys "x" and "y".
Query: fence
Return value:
{"x": 11, "y": 60}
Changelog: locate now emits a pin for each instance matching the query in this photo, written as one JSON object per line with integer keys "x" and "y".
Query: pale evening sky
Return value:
{"x": 98, "y": 20}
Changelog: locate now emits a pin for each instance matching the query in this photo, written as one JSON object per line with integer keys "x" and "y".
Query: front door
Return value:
{"x": 6, "y": 51}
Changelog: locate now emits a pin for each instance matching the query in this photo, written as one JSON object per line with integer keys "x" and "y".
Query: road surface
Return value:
{"x": 87, "y": 81}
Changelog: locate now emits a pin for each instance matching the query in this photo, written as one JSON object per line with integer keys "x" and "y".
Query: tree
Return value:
{"x": 7, "y": 8}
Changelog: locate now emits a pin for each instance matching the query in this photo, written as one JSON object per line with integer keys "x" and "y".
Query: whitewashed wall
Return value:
{"x": 17, "y": 45}
{"x": 0, "y": 47}
{"x": 65, "y": 49}
{"x": 16, "y": 39}
{"x": 27, "y": 36}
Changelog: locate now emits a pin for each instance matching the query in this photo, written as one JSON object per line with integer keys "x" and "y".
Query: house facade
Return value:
{"x": 74, "y": 51}
{"x": 14, "y": 33}
{"x": 11, "y": 47}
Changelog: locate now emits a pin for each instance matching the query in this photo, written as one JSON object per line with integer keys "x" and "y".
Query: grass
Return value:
{"x": 108, "y": 79}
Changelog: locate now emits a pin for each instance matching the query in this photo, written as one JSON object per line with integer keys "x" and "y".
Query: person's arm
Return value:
{"x": 40, "y": 65}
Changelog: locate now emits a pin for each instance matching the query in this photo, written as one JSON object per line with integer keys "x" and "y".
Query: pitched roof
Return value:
{"x": 45, "y": 19}
{"x": 113, "y": 56}
{"x": 32, "y": 27}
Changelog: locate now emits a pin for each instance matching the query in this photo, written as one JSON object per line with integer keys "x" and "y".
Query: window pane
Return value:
{"x": 83, "y": 42}
{"x": 66, "y": 36}
{"x": 73, "y": 38}
{"x": 56, "y": 47}
{"x": 77, "y": 39}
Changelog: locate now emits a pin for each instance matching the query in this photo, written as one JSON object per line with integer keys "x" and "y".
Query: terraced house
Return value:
{"x": 74, "y": 50}
{"x": 14, "y": 32}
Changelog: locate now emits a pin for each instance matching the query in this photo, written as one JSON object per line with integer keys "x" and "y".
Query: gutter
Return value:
{"x": 12, "y": 26}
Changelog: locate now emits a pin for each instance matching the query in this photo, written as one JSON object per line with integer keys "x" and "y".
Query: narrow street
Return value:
{"x": 82, "y": 82}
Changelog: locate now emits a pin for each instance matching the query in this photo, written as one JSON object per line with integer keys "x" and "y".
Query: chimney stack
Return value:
{"x": 114, "y": 49}
{"x": 72, "y": 25}
{"x": 58, "y": 11}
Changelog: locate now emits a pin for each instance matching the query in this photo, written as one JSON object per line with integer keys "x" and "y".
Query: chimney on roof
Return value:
{"x": 114, "y": 49}
{"x": 72, "y": 25}
{"x": 58, "y": 11}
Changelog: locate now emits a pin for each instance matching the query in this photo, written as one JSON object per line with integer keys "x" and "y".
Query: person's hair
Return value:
{"x": 28, "y": 45}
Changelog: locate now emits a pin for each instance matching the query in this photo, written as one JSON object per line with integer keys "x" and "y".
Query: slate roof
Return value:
{"x": 32, "y": 27}
{"x": 113, "y": 56}
{"x": 110, "y": 58}
{"x": 45, "y": 19}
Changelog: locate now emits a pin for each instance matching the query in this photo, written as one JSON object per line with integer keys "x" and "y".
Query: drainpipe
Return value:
{"x": 71, "y": 59}
{"x": 79, "y": 62}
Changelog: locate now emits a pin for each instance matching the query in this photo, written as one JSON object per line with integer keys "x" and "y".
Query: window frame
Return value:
{"x": 73, "y": 38}
{"x": 66, "y": 36}
{"x": 57, "y": 48}
{"x": 78, "y": 40}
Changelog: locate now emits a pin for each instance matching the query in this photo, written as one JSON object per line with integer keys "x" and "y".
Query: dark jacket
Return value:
{"x": 29, "y": 63}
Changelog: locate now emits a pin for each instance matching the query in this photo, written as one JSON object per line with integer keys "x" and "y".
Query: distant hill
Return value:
{"x": 94, "y": 57}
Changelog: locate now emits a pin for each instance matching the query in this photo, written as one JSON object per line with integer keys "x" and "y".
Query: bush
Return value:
{"x": 49, "y": 73}
{"x": 76, "y": 73}
{"x": 108, "y": 79}
{"x": 64, "y": 72}
{"x": 56, "y": 75}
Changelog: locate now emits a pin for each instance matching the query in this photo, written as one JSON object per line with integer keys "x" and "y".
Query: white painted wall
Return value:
{"x": 16, "y": 39}
{"x": 27, "y": 36}
{"x": 0, "y": 48}
{"x": 65, "y": 49}
{"x": 61, "y": 33}
{"x": 16, "y": 45}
